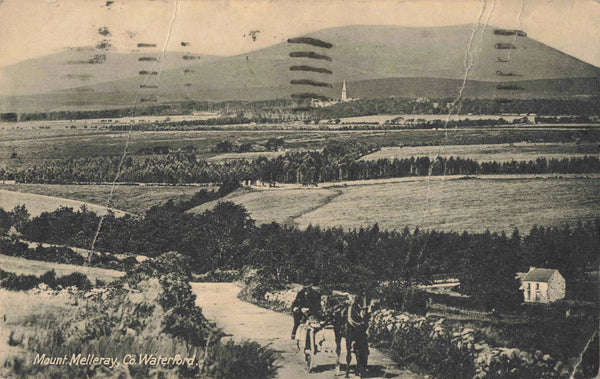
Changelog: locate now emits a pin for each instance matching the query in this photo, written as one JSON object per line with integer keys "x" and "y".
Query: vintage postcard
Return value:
{"x": 299, "y": 189}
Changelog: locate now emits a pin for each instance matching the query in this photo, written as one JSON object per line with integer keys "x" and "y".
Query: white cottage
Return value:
{"x": 542, "y": 285}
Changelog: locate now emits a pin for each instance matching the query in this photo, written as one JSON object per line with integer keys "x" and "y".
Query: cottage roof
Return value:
{"x": 539, "y": 275}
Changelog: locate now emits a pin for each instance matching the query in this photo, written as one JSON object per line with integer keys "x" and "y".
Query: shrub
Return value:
{"x": 75, "y": 279}
{"x": 247, "y": 360}
{"x": 49, "y": 278}
{"x": 257, "y": 284}
{"x": 11, "y": 281}
{"x": 15, "y": 282}
{"x": 167, "y": 263}
{"x": 12, "y": 341}
{"x": 438, "y": 356}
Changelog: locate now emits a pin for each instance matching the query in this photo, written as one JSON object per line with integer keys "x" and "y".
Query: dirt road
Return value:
{"x": 246, "y": 321}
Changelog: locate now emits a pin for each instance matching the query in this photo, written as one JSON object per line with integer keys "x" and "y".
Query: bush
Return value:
{"x": 15, "y": 282}
{"x": 168, "y": 263}
{"x": 13, "y": 341}
{"x": 438, "y": 356}
{"x": 257, "y": 284}
{"x": 75, "y": 279}
{"x": 49, "y": 278}
{"x": 41, "y": 253}
{"x": 247, "y": 360}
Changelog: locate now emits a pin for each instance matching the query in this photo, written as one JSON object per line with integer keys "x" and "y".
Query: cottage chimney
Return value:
{"x": 531, "y": 268}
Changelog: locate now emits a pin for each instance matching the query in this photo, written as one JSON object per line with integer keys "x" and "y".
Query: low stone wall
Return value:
{"x": 488, "y": 361}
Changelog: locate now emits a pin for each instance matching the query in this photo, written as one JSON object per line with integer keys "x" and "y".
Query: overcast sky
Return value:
{"x": 32, "y": 28}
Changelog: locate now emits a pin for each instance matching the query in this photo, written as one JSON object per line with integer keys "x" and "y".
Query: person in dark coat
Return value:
{"x": 307, "y": 297}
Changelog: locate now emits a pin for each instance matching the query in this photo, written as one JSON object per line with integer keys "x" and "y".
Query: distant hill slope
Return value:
{"x": 375, "y": 61}
{"x": 69, "y": 69}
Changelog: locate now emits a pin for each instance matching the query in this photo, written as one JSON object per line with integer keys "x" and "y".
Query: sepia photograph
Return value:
{"x": 261, "y": 189}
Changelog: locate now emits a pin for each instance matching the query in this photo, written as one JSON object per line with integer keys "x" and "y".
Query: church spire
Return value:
{"x": 344, "y": 97}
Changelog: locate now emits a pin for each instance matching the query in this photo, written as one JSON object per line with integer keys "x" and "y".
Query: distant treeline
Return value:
{"x": 288, "y": 109}
{"x": 548, "y": 107}
{"x": 338, "y": 161}
{"x": 176, "y": 125}
{"x": 227, "y": 238}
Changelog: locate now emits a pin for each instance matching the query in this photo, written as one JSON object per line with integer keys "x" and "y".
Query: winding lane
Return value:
{"x": 245, "y": 321}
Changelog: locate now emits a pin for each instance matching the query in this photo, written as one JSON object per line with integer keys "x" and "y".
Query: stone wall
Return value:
{"x": 489, "y": 361}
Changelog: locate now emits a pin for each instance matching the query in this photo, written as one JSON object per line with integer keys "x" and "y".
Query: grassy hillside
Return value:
{"x": 497, "y": 203}
{"x": 282, "y": 206}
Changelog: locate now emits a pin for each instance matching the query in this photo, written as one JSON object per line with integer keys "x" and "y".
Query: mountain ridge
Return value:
{"x": 363, "y": 53}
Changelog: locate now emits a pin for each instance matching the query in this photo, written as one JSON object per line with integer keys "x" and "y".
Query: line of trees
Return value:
{"x": 289, "y": 109}
{"x": 394, "y": 105}
{"x": 227, "y": 238}
{"x": 335, "y": 163}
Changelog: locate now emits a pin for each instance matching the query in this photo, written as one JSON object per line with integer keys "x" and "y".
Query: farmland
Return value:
{"x": 133, "y": 199}
{"x": 451, "y": 204}
{"x": 23, "y": 144}
{"x": 250, "y": 155}
{"x": 281, "y": 206}
{"x": 426, "y": 117}
{"x": 498, "y": 152}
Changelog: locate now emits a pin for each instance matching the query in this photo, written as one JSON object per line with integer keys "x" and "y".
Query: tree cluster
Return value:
{"x": 337, "y": 162}
{"x": 227, "y": 238}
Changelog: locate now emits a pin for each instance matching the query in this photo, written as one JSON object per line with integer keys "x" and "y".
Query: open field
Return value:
{"x": 499, "y": 152}
{"x": 80, "y": 143}
{"x": 248, "y": 156}
{"x": 497, "y": 203}
{"x": 67, "y": 144}
{"x": 133, "y": 199}
{"x": 37, "y": 204}
{"x": 277, "y": 205}
{"x": 21, "y": 266}
{"x": 426, "y": 117}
